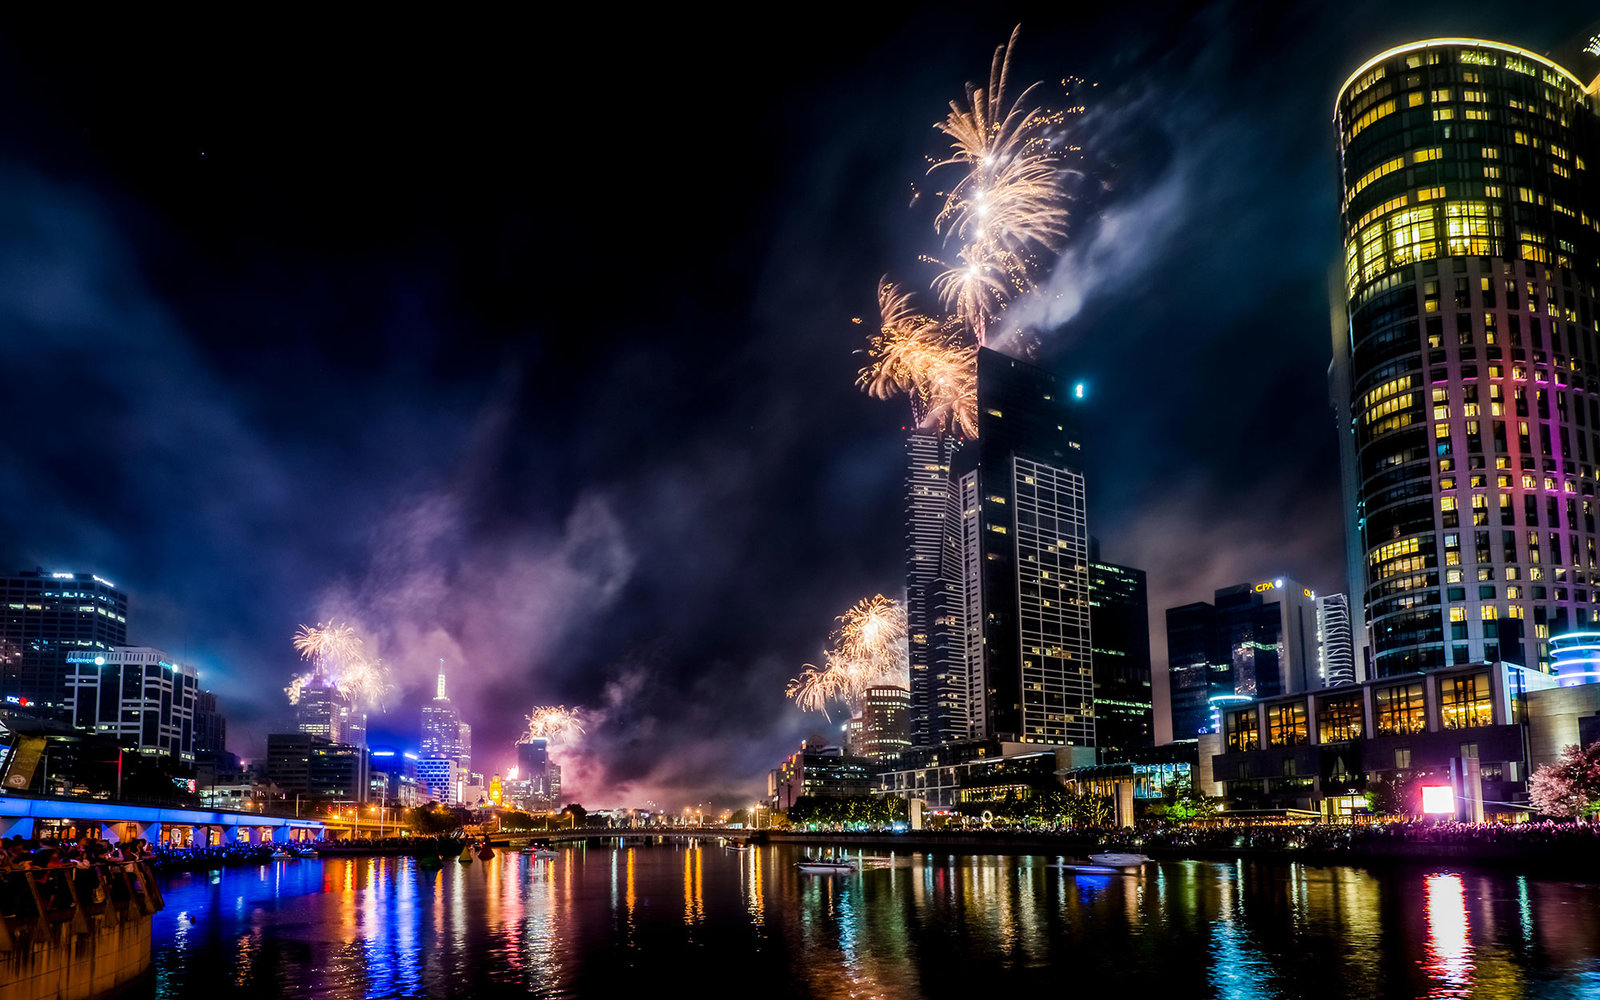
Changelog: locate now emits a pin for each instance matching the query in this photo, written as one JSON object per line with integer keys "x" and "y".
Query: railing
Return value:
{"x": 37, "y": 903}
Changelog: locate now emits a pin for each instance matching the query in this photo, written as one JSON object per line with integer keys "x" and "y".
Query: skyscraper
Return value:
{"x": 139, "y": 695}
{"x": 1006, "y": 619}
{"x": 43, "y": 617}
{"x": 1466, "y": 369}
{"x": 1336, "y": 651}
{"x": 927, "y": 500}
{"x": 210, "y": 726}
{"x": 1119, "y": 618}
{"x": 441, "y": 726}
{"x": 885, "y": 724}
{"x": 323, "y": 710}
{"x": 1257, "y": 640}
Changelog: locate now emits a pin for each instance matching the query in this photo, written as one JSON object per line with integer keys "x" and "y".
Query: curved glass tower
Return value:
{"x": 1466, "y": 367}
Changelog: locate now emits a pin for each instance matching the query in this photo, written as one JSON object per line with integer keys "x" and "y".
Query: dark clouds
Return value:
{"x": 529, "y": 346}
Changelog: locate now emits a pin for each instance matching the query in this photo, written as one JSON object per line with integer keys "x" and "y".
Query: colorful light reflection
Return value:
{"x": 1448, "y": 952}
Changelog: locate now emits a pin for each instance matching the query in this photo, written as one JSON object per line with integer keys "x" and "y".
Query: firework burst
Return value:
{"x": 1007, "y": 212}
{"x": 555, "y": 723}
{"x": 338, "y": 659}
{"x": 867, "y": 648}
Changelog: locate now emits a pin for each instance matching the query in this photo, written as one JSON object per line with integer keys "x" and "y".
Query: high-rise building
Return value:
{"x": 1119, "y": 620}
{"x": 210, "y": 727}
{"x": 1466, "y": 372}
{"x": 323, "y": 710}
{"x": 1006, "y": 620}
{"x": 43, "y": 617}
{"x": 927, "y": 500}
{"x": 1257, "y": 640}
{"x": 884, "y": 732}
{"x": 442, "y": 777}
{"x": 308, "y": 765}
{"x": 139, "y": 695}
{"x": 1337, "y": 652}
{"x": 464, "y": 746}
{"x": 540, "y": 776}
{"x": 1193, "y": 655}
{"x": 441, "y": 726}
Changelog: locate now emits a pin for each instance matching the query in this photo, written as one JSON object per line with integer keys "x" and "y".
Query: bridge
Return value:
{"x": 626, "y": 833}
{"x": 28, "y": 817}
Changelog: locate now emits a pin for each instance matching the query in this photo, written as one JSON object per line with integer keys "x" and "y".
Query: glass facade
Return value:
{"x": 1399, "y": 710}
{"x": 1465, "y": 702}
{"x": 1471, "y": 254}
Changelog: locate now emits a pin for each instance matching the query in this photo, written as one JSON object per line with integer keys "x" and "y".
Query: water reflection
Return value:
{"x": 599, "y": 921}
{"x": 1449, "y": 947}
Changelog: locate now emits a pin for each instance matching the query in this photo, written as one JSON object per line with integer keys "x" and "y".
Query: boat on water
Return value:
{"x": 545, "y": 852}
{"x": 1119, "y": 861}
{"x": 1082, "y": 869}
{"x": 821, "y": 867}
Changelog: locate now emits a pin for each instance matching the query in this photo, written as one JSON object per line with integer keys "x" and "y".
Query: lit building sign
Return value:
{"x": 1438, "y": 800}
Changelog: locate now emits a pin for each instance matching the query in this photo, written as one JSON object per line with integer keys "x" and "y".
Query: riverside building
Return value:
{"x": 1119, "y": 620}
{"x": 45, "y": 616}
{"x": 1466, "y": 370}
{"x": 1000, "y": 632}
{"x": 140, "y": 696}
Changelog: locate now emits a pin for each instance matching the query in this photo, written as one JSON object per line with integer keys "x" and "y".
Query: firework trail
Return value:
{"x": 555, "y": 723}
{"x": 1006, "y": 212}
{"x": 338, "y": 659}
{"x": 867, "y": 648}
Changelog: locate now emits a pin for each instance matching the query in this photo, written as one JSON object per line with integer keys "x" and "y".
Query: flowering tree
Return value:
{"x": 1571, "y": 786}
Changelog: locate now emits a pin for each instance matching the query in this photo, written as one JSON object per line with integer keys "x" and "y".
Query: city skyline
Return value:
{"x": 544, "y": 528}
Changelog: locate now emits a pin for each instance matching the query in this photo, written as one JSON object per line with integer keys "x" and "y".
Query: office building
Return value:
{"x": 884, "y": 731}
{"x": 927, "y": 498}
{"x": 442, "y": 778}
{"x": 1255, "y": 640}
{"x": 442, "y": 729}
{"x": 1466, "y": 373}
{"x": 1336, "y": 648}
{"x": 820, "y": 770}
{"x": 210, "y": 727}
{"x": 1006, "y": 620}
{"x": 140, "y": 696}
{"x": 539, "y": 775}
{"x": 323, "y": 710}
{"x": 43, "y": 617}
{"x": 1119, "y": 621}
{"x": 317, "y": 768}
{"x": 1470, "y": 726}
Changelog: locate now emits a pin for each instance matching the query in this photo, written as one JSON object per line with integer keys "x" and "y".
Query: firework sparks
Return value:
{"x": 1006, "y": 212}
{"x": 555, "y": 723}
{"x": 338, "y": 659}
{"x": 868, "y": 648}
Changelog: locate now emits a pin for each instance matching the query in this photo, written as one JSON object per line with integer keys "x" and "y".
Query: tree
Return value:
{"x": 1393, "y": 793}
{"x": 434, "y": 819}
{"x": 579, "y": 815}
{"x": 1571, "y": 786}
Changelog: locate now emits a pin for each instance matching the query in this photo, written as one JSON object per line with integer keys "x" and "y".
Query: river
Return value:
{"x": 682, "y": 919}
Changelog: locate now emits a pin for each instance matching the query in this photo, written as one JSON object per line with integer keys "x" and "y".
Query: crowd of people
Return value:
{"x": 1360, "y": 838}
{"x": 84, "y": 852}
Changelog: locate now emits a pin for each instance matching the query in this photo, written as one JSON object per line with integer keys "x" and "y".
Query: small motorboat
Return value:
{"x": 822, "y": 867}
{"x": 1119, "y": 861}
{"x": 1082, "y": 869}
{"x": 545, "y": 852}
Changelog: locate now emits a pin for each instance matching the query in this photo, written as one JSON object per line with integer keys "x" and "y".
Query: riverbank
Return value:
{"x": 1545, "y": 850}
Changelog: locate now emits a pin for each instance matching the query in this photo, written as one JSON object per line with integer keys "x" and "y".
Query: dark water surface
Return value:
{"x": 679, "y": 919}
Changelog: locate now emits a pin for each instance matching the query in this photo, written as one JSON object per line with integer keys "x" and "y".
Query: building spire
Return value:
{"x": 439, "y": 694}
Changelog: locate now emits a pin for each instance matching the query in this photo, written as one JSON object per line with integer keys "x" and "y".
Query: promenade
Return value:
{"x": 1569, "y": 850}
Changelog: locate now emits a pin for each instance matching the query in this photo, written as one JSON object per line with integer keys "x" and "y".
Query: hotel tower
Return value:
{"x": 1466, "y": 367}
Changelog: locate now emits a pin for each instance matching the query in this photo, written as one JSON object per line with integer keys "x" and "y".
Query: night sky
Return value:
{"x": 528, "y": 344}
